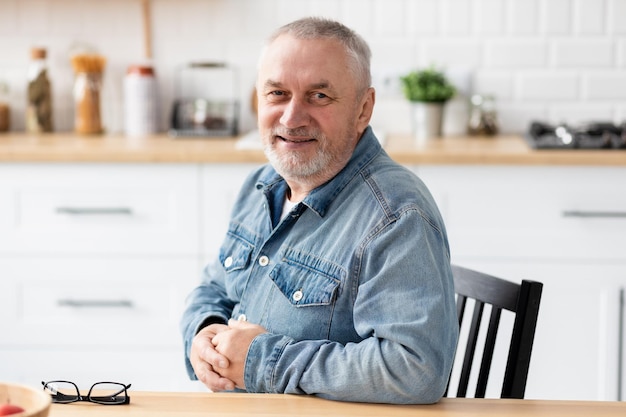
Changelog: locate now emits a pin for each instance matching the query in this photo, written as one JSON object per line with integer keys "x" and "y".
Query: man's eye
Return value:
{"x": 275, "y": 96}
{"x": 320, "y": 98}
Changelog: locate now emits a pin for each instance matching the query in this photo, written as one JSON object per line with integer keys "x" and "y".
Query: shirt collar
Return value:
{"x": 320, "y": 198}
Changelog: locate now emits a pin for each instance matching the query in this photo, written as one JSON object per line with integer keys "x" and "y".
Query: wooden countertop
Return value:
{"x": 157, "y": 404}
{"x": 499, "y": 150}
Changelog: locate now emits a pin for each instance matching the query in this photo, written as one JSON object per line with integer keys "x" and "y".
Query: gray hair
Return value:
{"x": 317, "y": 27}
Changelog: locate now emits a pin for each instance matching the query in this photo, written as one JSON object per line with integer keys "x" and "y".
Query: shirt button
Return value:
{"x": 264, "y": 260}
{"x": 228, "y": 262}
{"x": 297, "y": 296}
{"x": 242, "y": 317}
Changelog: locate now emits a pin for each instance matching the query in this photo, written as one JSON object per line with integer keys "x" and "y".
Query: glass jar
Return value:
{"x": 483, "y": 116}
{"x": 5, "y": 112}
{"x": 39, "y": 94}
{"x": 87, "y": 88}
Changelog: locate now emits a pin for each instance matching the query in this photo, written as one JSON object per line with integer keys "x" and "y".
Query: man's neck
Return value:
{"x": 296, "y": 194}
{"x": 299, "y": 188}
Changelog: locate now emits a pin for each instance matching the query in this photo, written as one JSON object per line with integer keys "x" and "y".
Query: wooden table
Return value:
{"x": 158, "y": 404}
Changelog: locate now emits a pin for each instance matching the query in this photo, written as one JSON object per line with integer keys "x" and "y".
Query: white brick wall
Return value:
{"x": 555, "y": 60}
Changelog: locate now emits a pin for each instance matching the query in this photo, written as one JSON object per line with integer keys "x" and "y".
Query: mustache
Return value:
{"x": 299, "y": 131}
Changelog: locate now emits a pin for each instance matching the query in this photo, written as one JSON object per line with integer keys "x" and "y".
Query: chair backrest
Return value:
{"x": 522, "y": 300}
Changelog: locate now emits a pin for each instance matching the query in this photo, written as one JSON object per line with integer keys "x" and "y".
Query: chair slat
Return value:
{"x": 490, "y": 343}
{"x": 468, "y": 360}
{"x": 518, "y": 362}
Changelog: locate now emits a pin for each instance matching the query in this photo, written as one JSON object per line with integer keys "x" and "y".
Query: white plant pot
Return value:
{"x": 427, "y": 119}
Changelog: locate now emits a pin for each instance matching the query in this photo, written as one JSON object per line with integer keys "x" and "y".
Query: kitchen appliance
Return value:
{"x": 206, "y": 105}
{"x": 593, "y": 135}
{"x": 202, "y": 117}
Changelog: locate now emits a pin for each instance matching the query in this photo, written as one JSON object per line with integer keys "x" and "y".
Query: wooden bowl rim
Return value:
{"x": 42, "y": 400}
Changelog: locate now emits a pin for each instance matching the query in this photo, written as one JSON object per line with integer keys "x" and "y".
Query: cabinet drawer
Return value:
{"x": 73, "y": 208}
{"x": 539, "y": 212}
{"x": 94, "y": 302}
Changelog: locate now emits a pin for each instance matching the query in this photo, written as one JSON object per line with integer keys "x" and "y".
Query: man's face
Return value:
{"x": 308, "y": 114}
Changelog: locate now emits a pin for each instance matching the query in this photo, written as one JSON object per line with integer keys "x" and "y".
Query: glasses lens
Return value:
{"x": 62, "y": 392}
{"x": 108, "y": 393}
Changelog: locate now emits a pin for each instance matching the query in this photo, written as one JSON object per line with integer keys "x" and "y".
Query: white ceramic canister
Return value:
{"x": 140, "y": 101}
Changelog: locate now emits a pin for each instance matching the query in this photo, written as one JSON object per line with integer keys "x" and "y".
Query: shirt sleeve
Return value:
{"x": 206, "y": 304}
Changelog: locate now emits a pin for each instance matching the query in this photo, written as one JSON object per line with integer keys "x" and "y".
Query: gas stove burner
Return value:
{"x": 595, "y": 135}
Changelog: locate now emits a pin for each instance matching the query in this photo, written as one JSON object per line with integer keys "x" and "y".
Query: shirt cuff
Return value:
{"x": 210, "y": 320}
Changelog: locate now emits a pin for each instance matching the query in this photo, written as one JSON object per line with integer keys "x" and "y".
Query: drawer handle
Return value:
{"x": 594, "y": 214}
{"x": 95, "y": 303}
{"x": 79, "y": 211}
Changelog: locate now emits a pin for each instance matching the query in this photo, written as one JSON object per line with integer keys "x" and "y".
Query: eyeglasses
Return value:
{"x": 106, "y": 393}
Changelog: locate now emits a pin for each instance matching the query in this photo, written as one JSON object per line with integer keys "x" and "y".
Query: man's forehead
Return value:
{"x": 305, "y": 64}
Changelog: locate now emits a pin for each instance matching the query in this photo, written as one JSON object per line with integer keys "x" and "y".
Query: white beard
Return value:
{"x": 293, "y": 165}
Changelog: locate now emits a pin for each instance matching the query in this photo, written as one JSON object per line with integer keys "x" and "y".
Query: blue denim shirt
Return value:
{"x": 354, "y": 286}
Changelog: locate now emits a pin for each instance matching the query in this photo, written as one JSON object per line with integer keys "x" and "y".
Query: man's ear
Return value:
{"x": 366, "y": 108}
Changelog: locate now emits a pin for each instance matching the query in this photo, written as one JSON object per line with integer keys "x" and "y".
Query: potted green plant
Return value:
{"x": 428, "y": 90}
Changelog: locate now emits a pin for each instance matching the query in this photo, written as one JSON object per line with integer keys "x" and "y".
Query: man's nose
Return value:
{"x": 295, "y": 114}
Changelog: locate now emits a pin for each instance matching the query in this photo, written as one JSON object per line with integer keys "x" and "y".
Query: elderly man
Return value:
{"x": 334, "y": 277}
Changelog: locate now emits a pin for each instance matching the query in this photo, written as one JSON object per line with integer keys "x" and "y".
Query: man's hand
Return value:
{"x": 234, "y": 344}
{"x": 207, "y": 363}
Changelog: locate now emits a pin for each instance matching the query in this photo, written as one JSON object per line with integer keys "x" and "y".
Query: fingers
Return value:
{"x": 218, "y": 354}
{"x": 207, "y": 362}
{"x": 211, "y": 379}
{"x": 234, "y": 344}
{"x": 204, "y": 347}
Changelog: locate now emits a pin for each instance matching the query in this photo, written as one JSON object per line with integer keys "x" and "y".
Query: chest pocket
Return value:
{"x": 236, "y": 250}
{"x": 305, "y": 280}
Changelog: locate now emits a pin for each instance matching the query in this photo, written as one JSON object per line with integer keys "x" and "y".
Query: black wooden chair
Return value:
{"x": 523, "y": 301}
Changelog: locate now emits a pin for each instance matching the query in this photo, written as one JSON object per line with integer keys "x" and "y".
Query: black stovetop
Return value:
{"x": 595, "y": 135}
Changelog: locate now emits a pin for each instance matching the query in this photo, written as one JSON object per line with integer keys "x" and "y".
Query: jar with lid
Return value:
{"x": 87, "y": 86}
{"x": 483, "y": 117}
{"x": 88, "y": 70}
{"x": 140, "y": 101}
{"x": 39, "y": 94}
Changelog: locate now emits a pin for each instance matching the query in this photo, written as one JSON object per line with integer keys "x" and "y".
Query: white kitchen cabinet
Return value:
{"x": 95, "y": 263}
{"x": 94, "y": 318}
{"x": 565, "y": 227}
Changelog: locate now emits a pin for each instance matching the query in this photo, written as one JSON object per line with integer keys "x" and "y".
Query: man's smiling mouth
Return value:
{"x": 298, "y": 140}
